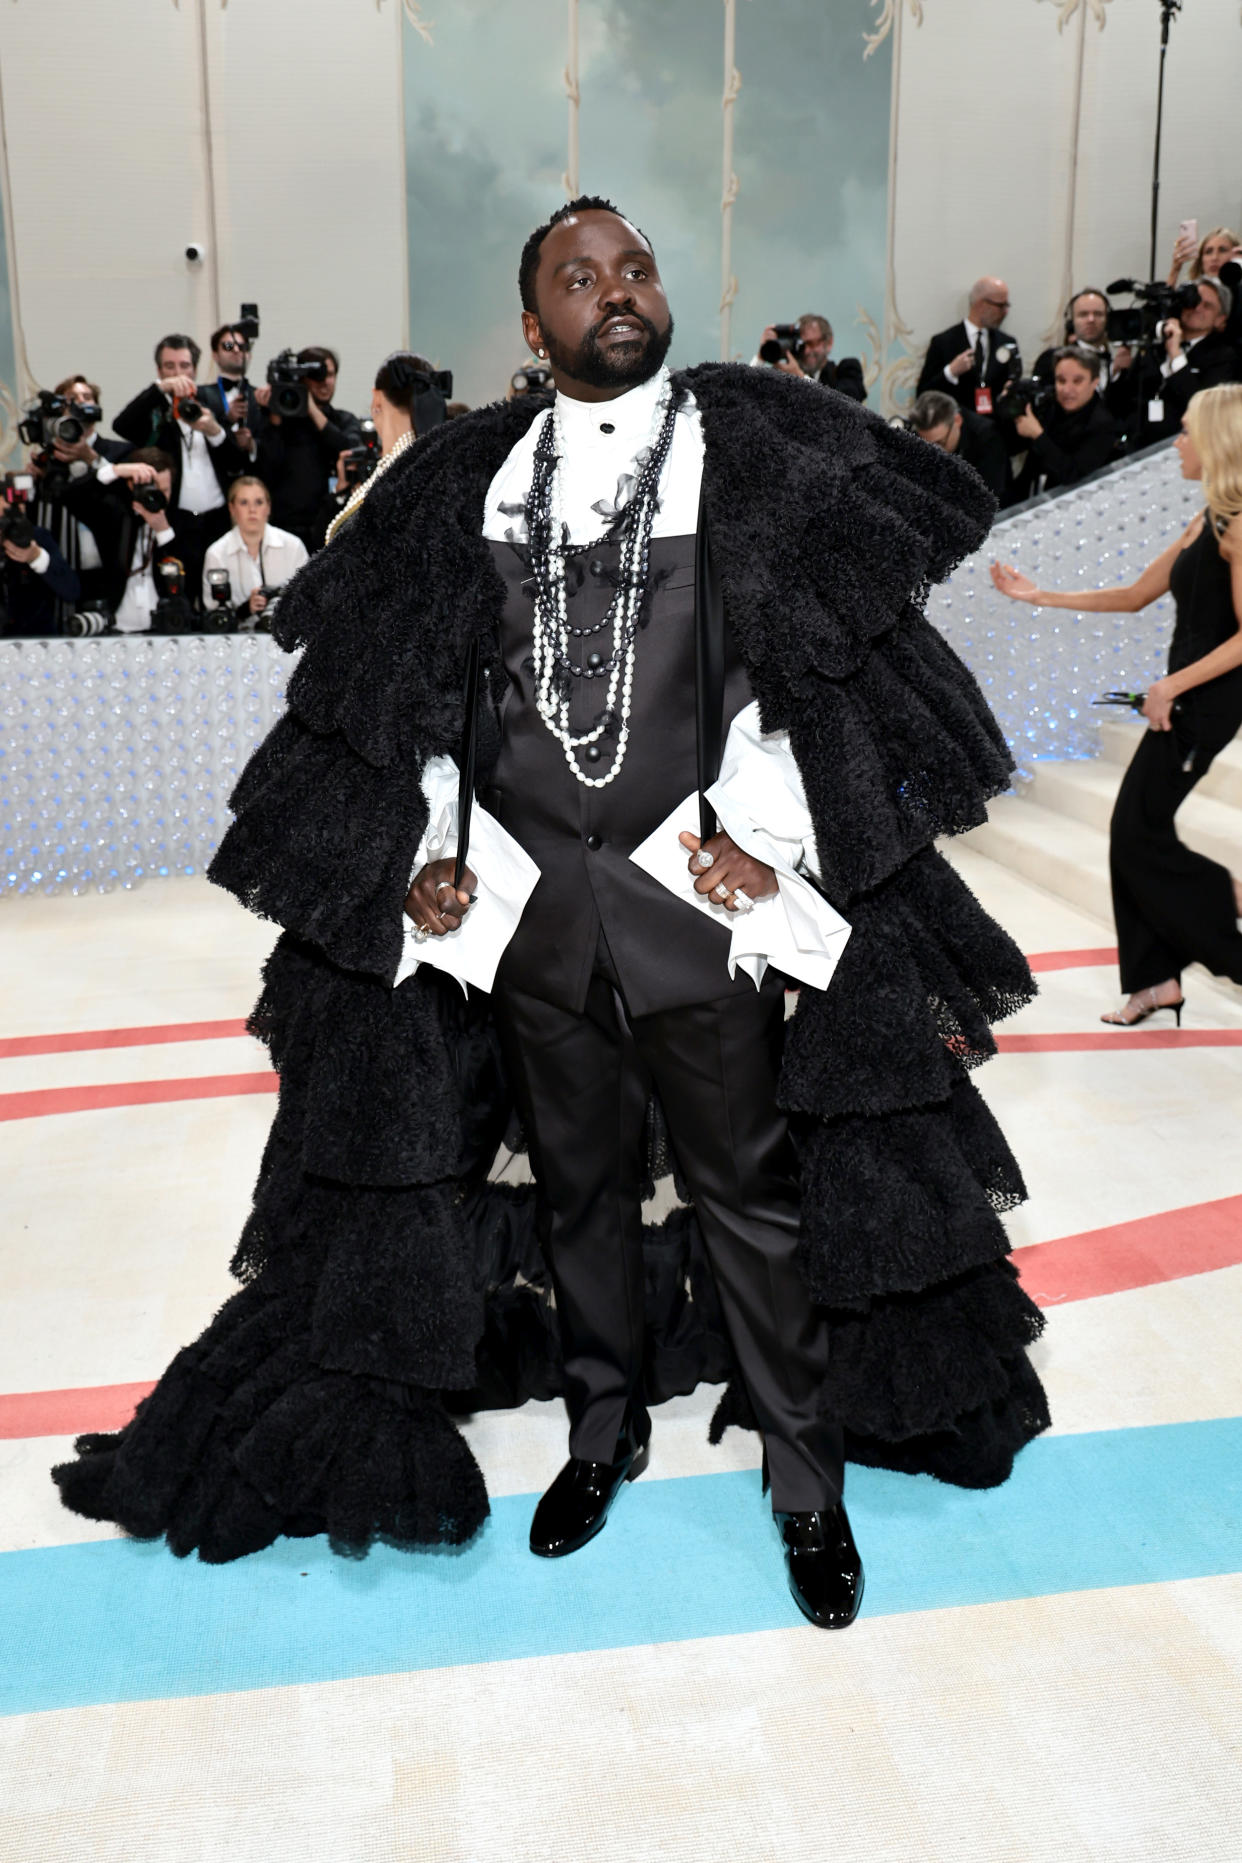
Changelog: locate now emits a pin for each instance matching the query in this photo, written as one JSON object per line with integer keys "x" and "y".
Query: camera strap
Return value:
{"x": 709, "y": 668}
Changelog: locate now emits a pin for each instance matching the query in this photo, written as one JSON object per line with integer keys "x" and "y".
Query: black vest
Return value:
{"x": 666, "y": 954}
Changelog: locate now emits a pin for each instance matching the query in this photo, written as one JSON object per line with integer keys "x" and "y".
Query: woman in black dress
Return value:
{"x": 1174, "y": 907}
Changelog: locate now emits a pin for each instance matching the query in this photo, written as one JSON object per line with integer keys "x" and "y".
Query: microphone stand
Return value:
{"x": 1168, "y": 9}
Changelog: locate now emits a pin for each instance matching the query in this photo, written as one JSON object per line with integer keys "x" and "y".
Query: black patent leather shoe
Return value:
{"x": 575, "y": 1507}
{"x": 825, "y": 1571}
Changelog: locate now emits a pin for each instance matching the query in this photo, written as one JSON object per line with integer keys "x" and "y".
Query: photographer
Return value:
{"x": 1073, "y": 436}
{"x": 129, "y": 509}
{"x": 804, "y": 348}
{"x": 1197, "y": 354}
{"x": 70, "y": 449}
{"x": 408, "y": 400}
{"x": 231, "y": 398}
{"x": 204, "y": 459}
{"x": 938, "y": 419}
{"x": 297, "y": 453}
{"x": 34, "y": 576}
{"x": 257, "y": 557}
{"x": 972, "y": 360}
{"x": 1216, "y": 255}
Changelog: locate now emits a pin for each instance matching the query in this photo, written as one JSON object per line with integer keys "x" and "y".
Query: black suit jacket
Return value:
{"x": 949, "y": 343}
{"x": 108, "y": 513}
{"x": 212, "y": 396}
{"x": 148, "y": 421}
{"x": 1211, "y": 361}
{"x": 1071, "y": 446}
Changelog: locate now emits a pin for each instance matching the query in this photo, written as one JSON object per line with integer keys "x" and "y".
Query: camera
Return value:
{"x": 50, "y": 418}
{"x": 15, "y": 525}
{"x": 93, "y": 619}
{"x": 787, "y": 341}
{"x": 532, "y": 380}
{"x": 360, "y": 461}
{"x": 1021, "y": 392}
{"x": 150, "y": 497}
{"x": 248, "y": 322}
{"x": 261, "y": 623}
{"x": 1139, "y": 324}
{"x": 188, "y": 409}
{"x": 287, "y": 379}
{"x": 173, "y": 613}
{"x": 219, "y": 587}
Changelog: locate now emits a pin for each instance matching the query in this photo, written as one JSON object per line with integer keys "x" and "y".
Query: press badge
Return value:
{"x": 1155, "y": 411}
{"x": 983, "y": 400}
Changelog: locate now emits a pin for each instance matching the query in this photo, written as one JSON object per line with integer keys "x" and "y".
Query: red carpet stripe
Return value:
{"x": 1072, "y": 960}
{"x": 44, "y": 1100}
{"x": 1142, "y": 1253}
{"x": 68, "y": 1413}
{"x": 1083, "y": 1041}
{"x": 81, "y": 1040}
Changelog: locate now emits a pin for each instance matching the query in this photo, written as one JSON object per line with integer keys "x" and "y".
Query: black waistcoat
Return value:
{"x": 666, "y": 953}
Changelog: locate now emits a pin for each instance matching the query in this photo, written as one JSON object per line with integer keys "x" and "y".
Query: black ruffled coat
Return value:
{"x": 386, "y": 1284}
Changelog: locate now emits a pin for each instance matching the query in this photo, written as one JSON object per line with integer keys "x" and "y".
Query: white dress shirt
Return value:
{"x": 796, "y": 927}
{"x": 280, "y": 555}
{"x": 137, "y": 605}
{"x": 200, "y": 488}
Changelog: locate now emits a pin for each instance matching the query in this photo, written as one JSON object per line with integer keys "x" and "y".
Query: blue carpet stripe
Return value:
{"x": 693, "y": 1557}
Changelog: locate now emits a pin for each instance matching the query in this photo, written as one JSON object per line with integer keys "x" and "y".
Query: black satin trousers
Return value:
{"x": 582, "y": 1082}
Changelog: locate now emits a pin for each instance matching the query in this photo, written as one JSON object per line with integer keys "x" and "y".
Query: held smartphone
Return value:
{"x": 1188, "y": 233}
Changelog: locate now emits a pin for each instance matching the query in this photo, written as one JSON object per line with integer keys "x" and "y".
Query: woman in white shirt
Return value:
{"x": 259, "y": 558}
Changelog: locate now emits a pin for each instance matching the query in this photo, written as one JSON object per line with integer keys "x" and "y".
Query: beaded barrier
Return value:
{"x": 1040, "y": 668}
{"x": 120, "y": 754}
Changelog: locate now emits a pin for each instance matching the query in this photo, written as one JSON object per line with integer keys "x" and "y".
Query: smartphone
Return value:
{"x": 1188, "y": 233}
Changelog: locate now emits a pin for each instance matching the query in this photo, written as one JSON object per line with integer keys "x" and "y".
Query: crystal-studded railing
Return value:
{"x": 1040, "y": 668}
{"x": 119, "y": 754}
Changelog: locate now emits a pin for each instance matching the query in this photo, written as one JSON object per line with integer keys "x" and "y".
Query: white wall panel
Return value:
{"x": 309, "y": 157}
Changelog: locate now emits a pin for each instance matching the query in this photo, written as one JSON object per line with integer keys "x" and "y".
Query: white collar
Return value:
{"x": 629, "y": 416}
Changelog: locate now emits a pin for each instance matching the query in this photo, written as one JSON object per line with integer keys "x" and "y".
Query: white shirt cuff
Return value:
{"x": 106, "y": 473}
{"x": 165, "y": 536}
{"x": 1172, "y": 364}
{"x": 216, "y": 439}
{"x": 41, "y": 563}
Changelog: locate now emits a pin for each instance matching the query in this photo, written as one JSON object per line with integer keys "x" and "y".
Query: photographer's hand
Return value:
{"x": 69, "y": 451}
{"x": 316, "y": 412}
{"x": 180, "y": 387}
{"x": 21, "y": 552}
{"x": 789, "y": 365}
{"x": 1172, "y": 338}
{"x": 137, "y": 474}
{"x": 1028, "y": 424}
{"x": 960, "y": 364}
{"x": 432, "y": 889}
{"x": 258, "y": 602}
{"x": 1122, "y": 358}
{"x": 206, "y": 424}
{"x": 156, "y": 520}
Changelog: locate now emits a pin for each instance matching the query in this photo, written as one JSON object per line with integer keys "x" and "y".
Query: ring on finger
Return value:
{"x": 704, "y": 860}
{"x": 421, "y": 934}
{"x": 720, "y": 892}
{"x": 742, "y": 901}
{"x": 444, "y": 886}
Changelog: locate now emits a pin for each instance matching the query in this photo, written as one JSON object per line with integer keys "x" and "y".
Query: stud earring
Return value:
{"x": 543, "y": 352}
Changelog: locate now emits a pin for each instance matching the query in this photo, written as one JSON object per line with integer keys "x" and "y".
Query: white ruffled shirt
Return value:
{"x": 759, "y": 798}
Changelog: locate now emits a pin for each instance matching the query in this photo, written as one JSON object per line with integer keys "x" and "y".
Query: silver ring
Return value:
{"x": 720, "y": 892}
{"x": 742, "y": 900}
{"x": 704, "y": 860}
{"x": 445, "y": 886}
{"x": 421, "y": 934}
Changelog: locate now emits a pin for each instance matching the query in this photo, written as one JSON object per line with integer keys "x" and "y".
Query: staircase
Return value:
{"x": 1055, "y": 832}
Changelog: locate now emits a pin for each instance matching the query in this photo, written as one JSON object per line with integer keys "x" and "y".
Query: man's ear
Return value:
{"x": 532, "y": 333}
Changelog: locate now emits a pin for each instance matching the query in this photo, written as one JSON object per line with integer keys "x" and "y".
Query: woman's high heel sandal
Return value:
{"x": 1119, "y": 1019}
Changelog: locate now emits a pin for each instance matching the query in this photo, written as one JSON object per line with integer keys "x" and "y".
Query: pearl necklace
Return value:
{"x": 555, "y": 669}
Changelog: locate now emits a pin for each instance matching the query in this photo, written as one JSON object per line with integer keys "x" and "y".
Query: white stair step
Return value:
{"x": 1085, "y": 791}
{"x": 1223, "y": 782}
{"x": 1067, "y": 858}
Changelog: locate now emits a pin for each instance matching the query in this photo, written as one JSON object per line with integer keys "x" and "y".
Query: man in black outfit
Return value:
{"x": 132, "y": 540}
{"x": 1197, "y": 354}
{"x": 204, "y": 459}
{"x": 814, "y": 358}
{"x": 34, "y": 577}
{"x": 936, "y": 417}
{"x": 1077, "y": 435}
{"x": 298, "y": 455}
{"x": 973, "y": 359}
{"x": 231, "y": 396}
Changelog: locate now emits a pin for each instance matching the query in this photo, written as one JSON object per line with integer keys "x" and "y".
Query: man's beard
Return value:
{"x": 628, "y": 366}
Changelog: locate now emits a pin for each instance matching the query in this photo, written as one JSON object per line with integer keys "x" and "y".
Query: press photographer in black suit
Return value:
{"x": 34, "y": 578}
{"x": 231, "y": 396}
{"x": 203, "y": 457}
{"x": 297, "y": 455}
{"x": 132, "y": 537}
{"x": 973, "y": 359}
{"x": 1197, "y": 354}
{"x": 1075, "y": 435}
{"x": 937, "y": 418}
{"x": 811, "y": 357}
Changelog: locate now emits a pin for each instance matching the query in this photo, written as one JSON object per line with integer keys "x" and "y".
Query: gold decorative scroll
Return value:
{"x": 729, "y": 180}
{"x": 569, "y": 180}
{"x": 888, "y": 19}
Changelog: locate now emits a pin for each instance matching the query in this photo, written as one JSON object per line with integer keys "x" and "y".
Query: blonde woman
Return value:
{"x": 1174, "y": 907}
{"x": 1215, "y": 249}
{"x": 259, "y": 558}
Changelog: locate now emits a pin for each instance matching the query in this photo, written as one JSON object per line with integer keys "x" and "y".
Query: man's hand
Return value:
{"x": 237, "y": 407}
{"x": 316, "y": 412}
{"x": 263, "y": 394}
{"x": 21, "y": 552}
{"x": 182, "y": 387}
{"x": 71, "y": 450}
{"x": 962, "y": 363}
{"x": 137, "y": 473}
{"x": 432, "y": 902}
{"x": 206, "y": 424}
{"x": 1158, "y": 706}
{"x": 157, "y": 520}
{"x": 731, "y": 869}
{"x": 1121, "y": 359}
{"x": 1028, "y": 425}
{"x": 258, "y": 601}
{"x": 1172, "y": 337}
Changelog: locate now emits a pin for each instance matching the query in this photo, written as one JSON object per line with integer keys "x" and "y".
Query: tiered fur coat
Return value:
{"x": 387, "y": 1284}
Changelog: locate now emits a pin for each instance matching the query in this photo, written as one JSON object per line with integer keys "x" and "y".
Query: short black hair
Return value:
{"x": 1088, "y": 359}
{"x": 319, "y": 352}
{"x": 397, "y": 377}
{"x": 176, "y": 341}
{"x": 528, "y": 264}
{"x": 228, "y": 329}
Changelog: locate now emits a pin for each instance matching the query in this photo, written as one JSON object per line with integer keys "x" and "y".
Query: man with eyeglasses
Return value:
{"x": 230, "y": 396}
{"x": 973, "y": 359}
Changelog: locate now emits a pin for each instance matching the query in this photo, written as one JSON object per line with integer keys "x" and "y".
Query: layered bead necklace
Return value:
{"x": 556, "y": 670}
